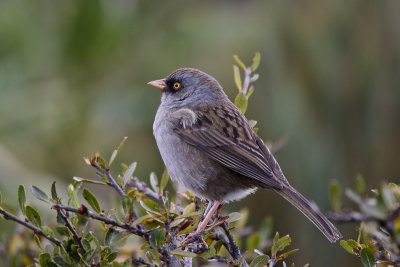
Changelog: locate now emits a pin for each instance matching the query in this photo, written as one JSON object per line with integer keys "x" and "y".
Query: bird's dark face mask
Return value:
{"x": 185, "y": 88}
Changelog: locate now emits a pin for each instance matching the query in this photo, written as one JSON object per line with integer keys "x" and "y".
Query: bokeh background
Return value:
{"x": 73, "y": 80}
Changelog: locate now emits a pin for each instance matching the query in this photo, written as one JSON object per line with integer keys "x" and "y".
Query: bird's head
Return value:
{"x": 188, "y": 87}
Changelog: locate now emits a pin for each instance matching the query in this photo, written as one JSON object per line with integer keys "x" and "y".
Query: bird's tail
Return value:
{"x": 311, "y": 212}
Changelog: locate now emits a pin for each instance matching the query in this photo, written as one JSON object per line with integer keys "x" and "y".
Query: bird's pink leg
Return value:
{"x": 203, "y": 224}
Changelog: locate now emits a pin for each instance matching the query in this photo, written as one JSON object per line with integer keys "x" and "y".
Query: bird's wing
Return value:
{"x": 224, "y": 134}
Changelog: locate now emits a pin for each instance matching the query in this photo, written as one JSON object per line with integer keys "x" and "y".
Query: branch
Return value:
{"x": 68, "y": 224}
{"x": 142, "y": 187}
{"x": 354, "y": 216}
{"x": 246, "y": 81}
{"x": 111, "y": 180}
{"x": 85, "y": 212}
{"x": 140, "y": 261}
{"x": 233, "y": 248}
{"x": 349, "y": 216}
{"x": 36, "y": 230}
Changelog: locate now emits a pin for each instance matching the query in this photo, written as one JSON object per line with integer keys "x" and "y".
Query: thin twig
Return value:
{"x": 354, "y": 216}
{"x": 142, "y": 187}
{"x": 77, "y": 239}
{"x": 233, "y": 248}
{"x": 85, "y": 212}
{"x": 36, "y": 230}
{"x": 246, "y": 81}
{"x": 272, "y": 261}
{"x": 349, "y": 216}
{"x": 141, "y": 261}
{"x": 111, "y": 180}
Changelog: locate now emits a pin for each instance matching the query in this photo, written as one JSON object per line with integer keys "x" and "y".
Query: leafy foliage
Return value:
{"x": 148, "y": 223}
{"x": 148, "y": 218}
{"x": 379, "y": 215}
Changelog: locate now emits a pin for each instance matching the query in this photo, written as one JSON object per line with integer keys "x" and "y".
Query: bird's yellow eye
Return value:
{"x": 177, "y": 86}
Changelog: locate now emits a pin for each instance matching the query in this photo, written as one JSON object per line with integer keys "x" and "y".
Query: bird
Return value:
{"x": 209, "y": 148}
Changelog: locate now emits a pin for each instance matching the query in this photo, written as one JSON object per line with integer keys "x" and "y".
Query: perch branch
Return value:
{"x": 36, "y": 230}
{"x": 233, "y": 248}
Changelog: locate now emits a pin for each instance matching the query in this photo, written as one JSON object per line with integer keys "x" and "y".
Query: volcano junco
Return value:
{"x": 209, "y": 147}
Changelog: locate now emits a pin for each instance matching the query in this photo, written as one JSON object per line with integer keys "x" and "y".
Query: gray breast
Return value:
{"x": 191, "y": 167}
{"x": 180, "y": 159}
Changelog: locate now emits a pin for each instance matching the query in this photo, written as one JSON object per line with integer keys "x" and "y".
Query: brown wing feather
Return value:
{"x": 225, "y": 135}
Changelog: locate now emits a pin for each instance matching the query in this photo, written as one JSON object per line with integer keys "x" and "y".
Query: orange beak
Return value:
{"x": 159, "y": 84}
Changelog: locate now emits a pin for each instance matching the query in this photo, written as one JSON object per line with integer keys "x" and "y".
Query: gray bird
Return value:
{"x": 209, "y": 147}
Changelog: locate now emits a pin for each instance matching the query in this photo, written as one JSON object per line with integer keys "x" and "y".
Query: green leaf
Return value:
{"x": 253, "y": 241}
{"x": 256, "y": 61}
{"x": 141, "y": 219}
{"x": 260, "y": 261}
{"x": 127, "y": 205}
{"x": 33, "y": 216}
{"x": 367, "y": 258}
{"x": 179, "y": 252}
{"x": 48, "y": 231}
{"x": 39, "y": 194}
{"x": 157, "y": 238}
{"x": 350, "y": 245}
{"x": 280, "y": 244}
{"x": 54, "y": 195}
{"x": 37, "y": 241}
{"x": 190, "y": 208}
{"x": 164, "y": 180}
{"x": 114, "y": 239}
{"x": 154, "y": 181}
{"x": 334, "y": 194}
{"x": 187, "y": 215}
{"x": 266, "y": 228}
{"x": 234, "y": 216}
{"x": 284, "y": 255}
{"x": 239, "y": 62}
{"x": 62, "y": 230}
{"x": 73, "y": 197}
{"x": 88, "y": 181}
{"x": 250, "y": 91}
{"x": 112, "y": 256}
{"x": 276, "y": 237}
{"x": 360, "y": 184}
{"x": 116, "y": 151}
{"x": 91, "y": 199}
{"x": 236, "y": 77}
{"x": 60, "y": 261}
{"x": 44, "y": 259}
{"x": 150, "y": 206}
{"x": 150, "y": 256}
{"x": 101, "y": 162}
{"x": 241, "y": 102}
{"x": 128, "y": 173}
{"x": 208, "y": 254}
{"x": 21, "y": 198}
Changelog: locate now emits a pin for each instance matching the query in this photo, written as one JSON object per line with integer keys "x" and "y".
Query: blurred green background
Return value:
{"x": 73, "y": 80}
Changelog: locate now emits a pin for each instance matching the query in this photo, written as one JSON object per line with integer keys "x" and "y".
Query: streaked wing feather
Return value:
{"x": 243, "y": 156}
